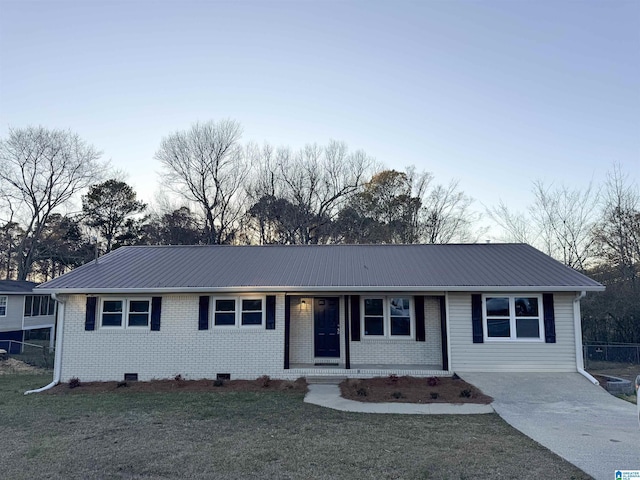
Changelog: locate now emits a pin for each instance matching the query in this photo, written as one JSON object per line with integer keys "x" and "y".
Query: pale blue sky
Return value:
{"x": 493, "y": 93}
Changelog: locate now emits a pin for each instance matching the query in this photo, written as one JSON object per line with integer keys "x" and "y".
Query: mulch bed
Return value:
{"x": 178, "y": 384}
{"x": 413, "y": 390}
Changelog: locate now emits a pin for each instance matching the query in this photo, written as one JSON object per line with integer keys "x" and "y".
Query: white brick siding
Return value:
{"x": 467, "y": 356}
{"x": 401, "y": 351}
{"x": 178, "y": 348}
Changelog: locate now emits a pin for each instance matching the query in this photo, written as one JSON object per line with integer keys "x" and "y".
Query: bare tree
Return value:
{"x": 41, "y": 170}
{"x": 296, "y": 195}
{"x": 206, "y": 165}
{"x": 618, "y": 232}
{"x": 516, "y": 226}
{"x": 566, "y": 220}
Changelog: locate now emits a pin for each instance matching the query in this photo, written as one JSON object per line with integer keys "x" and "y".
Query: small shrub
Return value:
{"x": 218, "y": 382}
{"x": 433, "y": 381}
{"x": 397, "y": 395}
{"x": 392, "y": 379}
{"x": 178, "y": 378}
{"x": 466, "y": 393}
{"x": 74, "y": 382}
{"x": 265, "y": 381}
{"x": 122, "y": 384}
{"x": 434, "y": 395}
{"x": 361, "y": 392}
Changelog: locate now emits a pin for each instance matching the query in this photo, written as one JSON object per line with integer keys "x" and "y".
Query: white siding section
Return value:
{"x": 407, "y": 352}
{"x": 467, "y": 356}
{"x": 13, "y": 319}
{"x": 178, "y": 348}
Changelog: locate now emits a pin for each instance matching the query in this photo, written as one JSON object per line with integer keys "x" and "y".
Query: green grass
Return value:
{"x": 249, "y": 435}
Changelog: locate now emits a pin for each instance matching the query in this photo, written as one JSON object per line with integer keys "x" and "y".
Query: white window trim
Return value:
{"x": 386, "y": 322}
{"x": 125, "y": 313}
{"x": 6, "y": 304}
{"x": 238, "y": 312}
{"x": 512, "y": 318}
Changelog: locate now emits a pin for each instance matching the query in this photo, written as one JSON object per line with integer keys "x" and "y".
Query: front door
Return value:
{"x": 326, "y": 315}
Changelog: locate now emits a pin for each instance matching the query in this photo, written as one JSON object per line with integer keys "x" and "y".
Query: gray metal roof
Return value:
{"x": 16, "y": 287}
{"x": 470, "y": 267}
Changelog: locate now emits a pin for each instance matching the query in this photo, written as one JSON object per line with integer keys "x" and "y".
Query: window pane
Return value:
{"x": 139, "y": 306}
{"x": 225, "y": 305}
{"x": 3, "y": 306}
{"x": 44, "y": 305}
{"x": 52, "y": 306}
{"x": 527, "y": 328}
{"x": 225, "y": 319}
{"x": 28, "y": 300}
{"x": 497, "y": 307}
{"x": 251, "y": 318}
{"x": 251, "y": 305}
{"x": 35, "y": 311}
{"x": 498, "y": 328}
{"x": 526, "y": 307}
{"x": 399, "y": 307}
{"x": 111, "y": 319}
{"x": 112, "y": 306}
{"x": 400, "y": 326}
{"x": 138, "y": 319}
{"x": 373, "y": 326}
{"x": 373, "y": 306}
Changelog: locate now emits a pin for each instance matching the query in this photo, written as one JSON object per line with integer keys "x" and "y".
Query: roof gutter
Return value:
{"x": 577, "y": 328}
{"x": 321, "y": 288}
{"x": 57, "y": 365}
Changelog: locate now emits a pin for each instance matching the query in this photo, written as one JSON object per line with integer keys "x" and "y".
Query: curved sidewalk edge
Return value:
{"x": 329, "y": 396}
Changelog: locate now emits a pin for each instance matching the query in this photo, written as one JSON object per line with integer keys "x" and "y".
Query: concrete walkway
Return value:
{"x": 579, "y": 421}
{"x": 329, "y": 396}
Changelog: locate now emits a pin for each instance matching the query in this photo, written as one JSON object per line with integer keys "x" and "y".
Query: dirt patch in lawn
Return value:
{"x": 413, "y": 390}
{"x": 179, "y": 384}
{"x": 10, "y": 366}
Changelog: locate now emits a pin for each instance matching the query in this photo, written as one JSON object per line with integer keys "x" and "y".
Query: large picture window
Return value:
{"x": 513, "y": 317}
{"x": 238, "y": 311}
{"x": 389, "y": 316}
{"x": 125, "y": 313}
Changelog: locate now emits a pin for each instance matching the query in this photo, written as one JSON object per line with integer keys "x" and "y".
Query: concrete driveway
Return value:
{"x": 570, "y": 416}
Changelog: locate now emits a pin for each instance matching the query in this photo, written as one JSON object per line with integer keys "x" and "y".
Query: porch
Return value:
{"x": 366, "y": 370}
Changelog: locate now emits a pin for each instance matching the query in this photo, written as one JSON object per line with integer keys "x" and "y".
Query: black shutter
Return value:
{"x": 156, "y": 310}
{"x": 476, "y": 317}
{"x": 90, "y": 316}
{"x": 418, "y": 302}
{"x": 549, "y": 318}
{"x": 271, "y": 312}
{"x": 355, "y": 318}
{"x": 203, "y": 313}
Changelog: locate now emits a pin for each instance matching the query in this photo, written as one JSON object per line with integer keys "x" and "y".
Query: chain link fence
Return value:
{"x": 38, "y": 354}
{"x": 602, "y": 353}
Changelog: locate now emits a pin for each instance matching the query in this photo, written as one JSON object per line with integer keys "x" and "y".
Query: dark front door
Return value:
{"x": 327, "y": 327}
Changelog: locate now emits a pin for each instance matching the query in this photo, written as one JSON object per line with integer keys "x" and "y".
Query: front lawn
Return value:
{"x": 269, "y": 434}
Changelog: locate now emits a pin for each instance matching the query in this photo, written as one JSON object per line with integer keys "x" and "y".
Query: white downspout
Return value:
{"x": 57, "y": 365}
{"x": 577, "y": 327}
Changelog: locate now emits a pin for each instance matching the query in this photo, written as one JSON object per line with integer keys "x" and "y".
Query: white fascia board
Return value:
{"x": 299, "y": 289}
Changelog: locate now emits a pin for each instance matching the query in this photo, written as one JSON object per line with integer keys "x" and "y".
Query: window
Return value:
{"x": 35, "y": 305}
{"x": 136, "y": 311}
{"x": 238, "y": 311}
{"x": 3, "y": 306}
{"x": 513, "y": 317}
{"x": 387, "y": 317}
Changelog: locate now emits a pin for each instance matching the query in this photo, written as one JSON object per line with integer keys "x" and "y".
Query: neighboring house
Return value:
{"x": 292, "y": 311}
{"x": 24, "y": 315}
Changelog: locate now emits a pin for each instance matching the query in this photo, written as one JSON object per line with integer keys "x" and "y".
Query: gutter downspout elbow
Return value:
{"x": 57, "y": 365}
{"x": 577, "y": 327}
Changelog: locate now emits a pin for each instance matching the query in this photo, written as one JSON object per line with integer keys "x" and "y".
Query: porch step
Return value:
{"x": 324, "y": 380}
